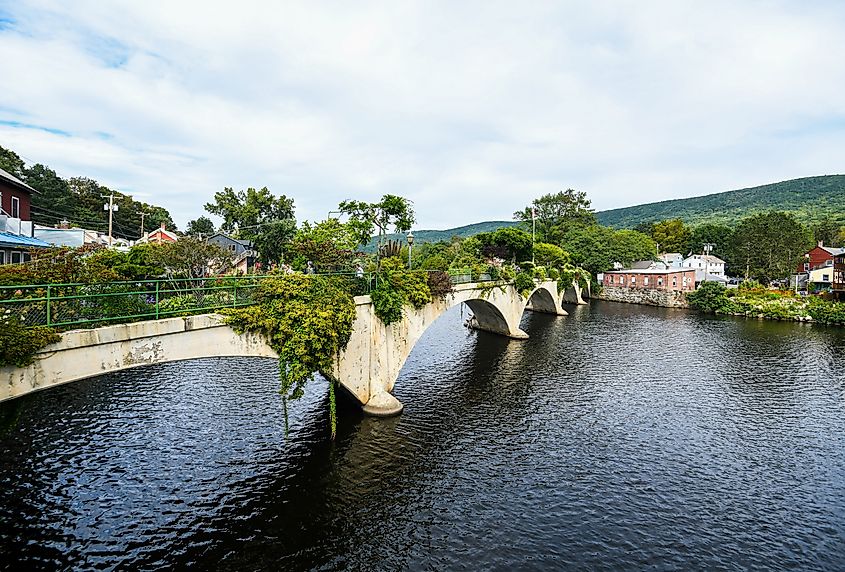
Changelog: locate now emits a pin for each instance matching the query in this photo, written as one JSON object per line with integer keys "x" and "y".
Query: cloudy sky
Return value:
{"x": 471, "y": 109}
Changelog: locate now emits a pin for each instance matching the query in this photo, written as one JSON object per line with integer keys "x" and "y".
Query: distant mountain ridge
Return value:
{"x": 808, "y": 198}
{"x": 465, "y": 231}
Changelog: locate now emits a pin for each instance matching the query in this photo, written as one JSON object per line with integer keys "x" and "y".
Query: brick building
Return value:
{"x": 672, "y": 280}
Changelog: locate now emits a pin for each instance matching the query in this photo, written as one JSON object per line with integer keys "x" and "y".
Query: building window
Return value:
{"x": 16, "y": 207}
{"x": 2, "y": 257}
{"x": 16, "y": 258}
{"x": 633, "y": 280}
{"x": 674, "y": 281}
{"x": 645, "y": 281}
{"x": 825, "y": 277}
{"x": 660, "y": 281}
{"x": 621, "y": 279}
{"x": 806, "y": 267}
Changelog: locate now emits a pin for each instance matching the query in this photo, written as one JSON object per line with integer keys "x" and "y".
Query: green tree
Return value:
{"x": 590, "y": 247}
{"x": 557, "y": 213}
{"x": 189, "y": 258}
{"x": 826, "y": 231}
{"x": 710, "y": 233}
{"x": 201, "y": 226}
{"x": 768, "y": 246}
{"x": 53, "y": 197}
{"x": 671, "y": 235}
{"x": 244, "y": 212}
{"x": 273, "y": 238}
{"x": 628, "y": 246}
{"x": 365, "y": 218}
{"x": 12, "y": 163}
{"x": 550, "y": 255}
{"x": 508, "y": 243}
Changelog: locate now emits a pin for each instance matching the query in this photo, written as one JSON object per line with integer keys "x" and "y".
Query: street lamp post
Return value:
{"x": 410, "y": 238}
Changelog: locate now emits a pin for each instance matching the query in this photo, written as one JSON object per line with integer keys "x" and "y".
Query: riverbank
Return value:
{"x": 752, "y": 300}
{"x": 662, "y": 298}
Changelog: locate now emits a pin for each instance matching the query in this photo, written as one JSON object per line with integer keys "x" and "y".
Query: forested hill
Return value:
{"x": 809, "y": 199}
{"x": 421, "y": 236}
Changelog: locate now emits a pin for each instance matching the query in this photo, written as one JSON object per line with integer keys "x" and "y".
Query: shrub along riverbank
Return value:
{"x": 753, "y": 300}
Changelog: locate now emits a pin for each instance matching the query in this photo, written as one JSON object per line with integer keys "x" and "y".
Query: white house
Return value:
{"x": 707, "y": 267}
{"x": 672, "y": 260}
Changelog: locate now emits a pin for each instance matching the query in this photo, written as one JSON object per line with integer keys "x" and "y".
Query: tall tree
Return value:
{"x": 330, "y": 244}
{"x": 826, "y": 231}
{"x": 768, "y": 246}
{"x": 11, "y": 163}
{"x": 671, "y": 235}
{"x": 390, "y": 211}
{"x": 201, "y": 226}
{"x": 710, "y": 233}
{"x": 555, "y": 214}
{"x": 53, "y": 200}
{"x": 244, "y": 212}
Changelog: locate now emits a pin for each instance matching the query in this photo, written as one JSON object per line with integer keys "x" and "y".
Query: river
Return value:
{"x": 619, "y": 437}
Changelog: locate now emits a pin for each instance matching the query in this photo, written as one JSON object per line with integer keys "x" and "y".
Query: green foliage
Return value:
{"x": 557, "y": 213}
{"x": 809, "y": 199}
{"x": 364, "y": 217}
{"x": 719, "y": 235}
{"x": 397, "y": 287}
{"x": 202, "y": 226}
{"x": 524, "y": 284}
{"x": 550, "y": 255}
{"x": 436, "y": 262}
{"x": 505, "y": 243}
{"x": 672, "y": 235}
{"x": 596, "y": 248}
{"x": 554, "y": 274}
{"x": 750, "y": 285}
{"x": 19, "y": 344}
{"x": 826, "y": 312}
{"x": 329, "y": 244}
{"x": 711, "y": 297}
{"x": 190, "y": 258}
{"x": 539, "y": 272}
{"x": 307, "y": 320}
{"x": 768, "y": 246}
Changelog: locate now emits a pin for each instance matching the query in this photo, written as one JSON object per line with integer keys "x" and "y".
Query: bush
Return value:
{"x": 19, "y": 344}
{"x": 387, "y": 303}
{"x": 524, "y": 284}
{"x": 554, "y": 274}
{"x": 711, "y": 297}
{"x": 826, "y": 312}
{"x": 439, "y": 284}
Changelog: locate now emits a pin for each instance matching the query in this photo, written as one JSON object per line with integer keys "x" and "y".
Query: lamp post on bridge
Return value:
{"x": 410, "y": 238}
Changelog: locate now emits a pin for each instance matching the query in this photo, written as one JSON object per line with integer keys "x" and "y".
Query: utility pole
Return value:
{"x": 708, "y": 248}
{"x": 111, "y": 207}
{"x": 143, "y": 214}
{"x": 533, "y": 230}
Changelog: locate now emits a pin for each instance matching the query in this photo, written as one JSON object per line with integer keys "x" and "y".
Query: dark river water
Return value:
{"x": 619, "y": 437}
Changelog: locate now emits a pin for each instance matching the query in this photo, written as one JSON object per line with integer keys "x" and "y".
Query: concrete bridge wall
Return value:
{"x": 368, "y": 367}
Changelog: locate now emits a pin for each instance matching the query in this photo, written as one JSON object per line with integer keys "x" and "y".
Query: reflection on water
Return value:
{"x": 617, "y": 437}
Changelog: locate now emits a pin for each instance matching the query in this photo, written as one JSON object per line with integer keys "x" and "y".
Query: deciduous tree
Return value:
{"x": 557, "y": 213}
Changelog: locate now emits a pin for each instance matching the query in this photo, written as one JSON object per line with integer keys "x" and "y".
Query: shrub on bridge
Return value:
{"x": 19, "y": 343}
{"x": 307, "y": 320}
{"x": 439, "y": 284}
{"x": 524, "y": 284}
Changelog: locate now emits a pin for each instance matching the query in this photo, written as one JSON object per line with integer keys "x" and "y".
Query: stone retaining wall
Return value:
{"x": 643, "y": 296}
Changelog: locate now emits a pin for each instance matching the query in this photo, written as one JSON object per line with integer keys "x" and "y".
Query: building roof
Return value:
{"x": 9, "y": 240}
{"x": 15, "y": 182}
{"x": 652, "y": 271}
{"x": 708, "y": 257}
{"x": 833, "y": 251}
{"x": 244, "y": 243}
{"x": 642, "y": 264}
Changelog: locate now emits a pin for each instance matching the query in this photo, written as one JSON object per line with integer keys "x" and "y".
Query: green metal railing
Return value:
{"x": 90, "y": 305}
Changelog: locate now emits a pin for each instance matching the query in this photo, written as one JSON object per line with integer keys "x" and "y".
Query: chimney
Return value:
{"x": 162, "y": 227}
{"x": 821, "y": 244}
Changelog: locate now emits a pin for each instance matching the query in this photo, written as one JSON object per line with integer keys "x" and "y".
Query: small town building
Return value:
{"x": 838, "y": 283}
{"x": 672, "y": 259}
{"x": 243, "y": 251}
{"x": 820, "y": 256}
{"x": 16, "y": 233}
{"x": 708, "y": 268}
{"x": 681, "y": 280}
{"x": 159, "y": 235}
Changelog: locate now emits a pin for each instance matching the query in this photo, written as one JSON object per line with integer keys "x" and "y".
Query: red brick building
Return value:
{"x": 677, "y": 280}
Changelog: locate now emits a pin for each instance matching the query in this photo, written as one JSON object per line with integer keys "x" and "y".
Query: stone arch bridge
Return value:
{"x": 367, "y": 368}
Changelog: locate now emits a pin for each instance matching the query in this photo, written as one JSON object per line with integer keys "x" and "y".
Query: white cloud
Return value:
{"x": 469, "y": 109}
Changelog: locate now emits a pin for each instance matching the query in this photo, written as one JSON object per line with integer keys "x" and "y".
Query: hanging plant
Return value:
{"x": 307, "y": 320}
